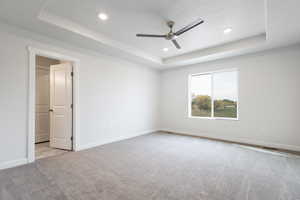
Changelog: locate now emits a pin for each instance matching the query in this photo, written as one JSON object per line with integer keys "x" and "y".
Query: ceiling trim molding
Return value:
{"x": 69, "y": 25}
{"x": 234, "y": 48}
{"x": 281, "y": 28}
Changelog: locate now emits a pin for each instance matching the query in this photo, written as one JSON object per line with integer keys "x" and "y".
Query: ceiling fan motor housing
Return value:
{"x": 171, "y": 36}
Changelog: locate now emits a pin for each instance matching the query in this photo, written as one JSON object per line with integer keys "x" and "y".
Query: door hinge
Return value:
{"x": 72, "y": 106}
{"x": 72, "y": 138}
{"x": 72, "y": 73}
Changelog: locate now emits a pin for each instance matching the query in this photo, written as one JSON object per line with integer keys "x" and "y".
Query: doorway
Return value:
{"x": 54, "y": 105}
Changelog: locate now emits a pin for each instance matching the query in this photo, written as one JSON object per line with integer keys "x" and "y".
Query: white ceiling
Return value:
{"x": 134, "y": 16}
{"x": 256, "y": 24}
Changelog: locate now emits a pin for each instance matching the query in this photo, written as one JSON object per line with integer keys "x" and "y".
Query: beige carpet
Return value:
{"x": 157, "y": 167}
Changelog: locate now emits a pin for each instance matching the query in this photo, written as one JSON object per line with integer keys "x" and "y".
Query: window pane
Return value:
{"x": 201, "y": 95}
{"x": 225, "y": 94}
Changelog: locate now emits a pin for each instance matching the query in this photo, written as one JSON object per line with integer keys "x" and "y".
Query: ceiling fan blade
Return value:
{"x": 150, "y": 35}
{"x": 176, "y": 44}
{"x": 189, "y": 27}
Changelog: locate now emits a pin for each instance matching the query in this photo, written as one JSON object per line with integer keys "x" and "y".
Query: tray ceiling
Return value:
{"x": 126, "y": 18}
{"x": 256, "y": 25}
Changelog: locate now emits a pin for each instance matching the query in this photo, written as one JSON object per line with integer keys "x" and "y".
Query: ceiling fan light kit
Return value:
{"x": 174, "y": 35}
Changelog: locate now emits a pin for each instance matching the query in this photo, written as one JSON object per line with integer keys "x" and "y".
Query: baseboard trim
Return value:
{"x": 99, "y": 143}
{"x": 24, "y": 161}
{"x": 13, "y": 163}
{"x": 254, "y": 143}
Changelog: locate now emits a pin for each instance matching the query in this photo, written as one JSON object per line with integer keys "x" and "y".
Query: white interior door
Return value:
{"x": 61, "y": 106}
{"x": 42, "y": 104}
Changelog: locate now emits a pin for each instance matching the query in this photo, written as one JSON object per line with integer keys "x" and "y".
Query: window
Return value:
{"x": 214, "y": 95}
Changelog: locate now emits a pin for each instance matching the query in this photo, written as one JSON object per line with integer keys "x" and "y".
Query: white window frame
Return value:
{"x": 212, "y": 95}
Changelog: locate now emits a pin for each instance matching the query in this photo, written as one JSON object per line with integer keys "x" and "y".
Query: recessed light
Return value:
{"x": 103, "y": 16}
{"x": 165, "y": 49}
{"x": 227, "y": 30}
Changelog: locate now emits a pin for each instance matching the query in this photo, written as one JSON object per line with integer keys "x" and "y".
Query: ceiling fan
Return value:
{"x": 173, "y": 35}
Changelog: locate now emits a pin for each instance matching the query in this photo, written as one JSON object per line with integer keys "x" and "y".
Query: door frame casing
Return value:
{"x": 33, "y": 52}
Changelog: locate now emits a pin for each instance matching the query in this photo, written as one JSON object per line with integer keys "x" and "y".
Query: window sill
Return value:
{"x": 214, "y": 118}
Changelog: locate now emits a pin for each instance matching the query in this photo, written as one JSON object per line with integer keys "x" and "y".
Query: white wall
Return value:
{"x": 117, "y": 99}
{"x": 269, "y": 95}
